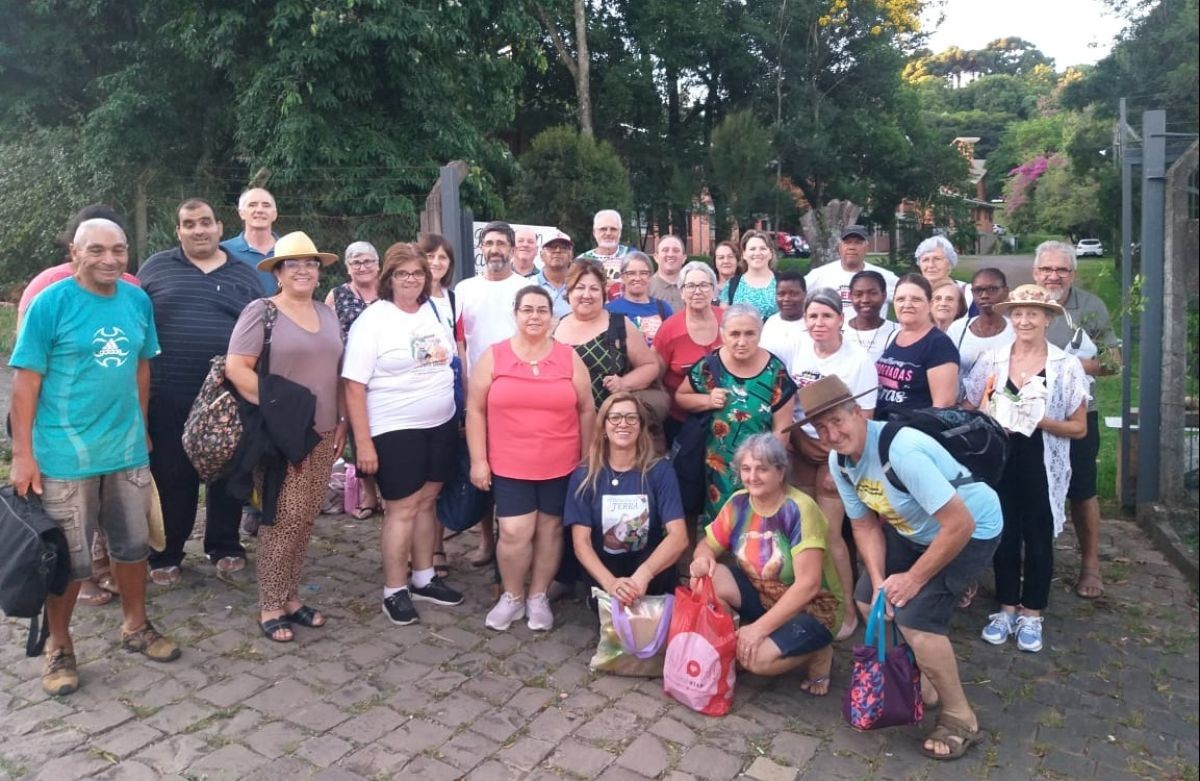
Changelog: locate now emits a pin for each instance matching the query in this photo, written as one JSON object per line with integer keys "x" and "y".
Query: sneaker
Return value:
{"x": 436, "y": 592}
{"x": 1000, "y": 628}
{"x": 59, "y": 673}
{"x": 507, "y": 610}
{"x": 149, "y": 643}
{"x": 541, "y": 619}
{"x": 1029, "y": 633}
{"x": 399, "y": 608}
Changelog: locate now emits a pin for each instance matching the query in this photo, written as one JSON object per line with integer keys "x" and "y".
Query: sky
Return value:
{"x": 1062, "y": 29}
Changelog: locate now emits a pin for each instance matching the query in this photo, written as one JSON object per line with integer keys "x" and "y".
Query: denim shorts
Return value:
{"x": 117, "y": 503}
{"x": 801, "y": 634}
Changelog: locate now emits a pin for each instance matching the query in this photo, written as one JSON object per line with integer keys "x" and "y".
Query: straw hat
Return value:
{"x": 295, "y": 245}
{"x": 1030, "y": 295}
{"x": 823, "y": 395}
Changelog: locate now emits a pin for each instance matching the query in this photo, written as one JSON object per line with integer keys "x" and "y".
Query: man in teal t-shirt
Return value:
{"x": 79, "y": 434}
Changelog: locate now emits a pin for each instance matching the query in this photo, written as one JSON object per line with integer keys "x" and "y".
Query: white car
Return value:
{"x": 1087, "y": 247}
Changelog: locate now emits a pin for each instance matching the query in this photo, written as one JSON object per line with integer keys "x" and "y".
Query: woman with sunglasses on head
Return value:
{"x": 306, "y": 349}
{"x": 623, "y": 507}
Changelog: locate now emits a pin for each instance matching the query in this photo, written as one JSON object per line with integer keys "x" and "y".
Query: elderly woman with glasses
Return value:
{"x": 746, "y": 389}
{"x": 645, "y": 311}
{"x": 350, "y": 298}
{"x": 936, "y": 258}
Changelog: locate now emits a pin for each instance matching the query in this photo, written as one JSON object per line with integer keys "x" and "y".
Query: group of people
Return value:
{"x": 563, "y": 380}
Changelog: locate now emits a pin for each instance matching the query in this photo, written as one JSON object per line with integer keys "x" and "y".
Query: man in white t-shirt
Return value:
{"x": 852, "y": 254}
{"x": 783, "y": 331}
{"x": 485, "y": 304}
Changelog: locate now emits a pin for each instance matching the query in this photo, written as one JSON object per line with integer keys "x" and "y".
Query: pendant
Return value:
{"x": 615, "y": 482}
{"x": 533, "y": 367}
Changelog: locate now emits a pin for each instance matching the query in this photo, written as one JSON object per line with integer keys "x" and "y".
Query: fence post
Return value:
{"x": 1154, "y": 145}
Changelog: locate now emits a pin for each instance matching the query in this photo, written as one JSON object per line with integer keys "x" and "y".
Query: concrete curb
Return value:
{"x": 1155, "y": 520}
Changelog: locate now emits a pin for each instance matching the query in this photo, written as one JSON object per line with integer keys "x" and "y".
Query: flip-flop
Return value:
{"x": 96, "y": 598}
{"x": 363, "y": 513}
{"x": 441, "y": 570}
{"x": 968, "y": 596}
{"x": 806, "y": 686}
{"x": 108, "y": 583}
{"x": 273, "y": 625}
{"x": 166, "y": 576}
{"x": 305, "y": 616}
{"x": 954, "y": 734}
{"x": 230, "y": 564}
{"x": 1089, "y": 578}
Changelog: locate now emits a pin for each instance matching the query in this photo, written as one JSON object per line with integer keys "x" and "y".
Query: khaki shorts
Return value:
{"x": 117, "y": 503}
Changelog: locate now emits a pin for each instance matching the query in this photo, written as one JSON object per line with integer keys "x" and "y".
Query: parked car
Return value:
{"x": 1089, "y": 247}
{"x": 791, "y": 245}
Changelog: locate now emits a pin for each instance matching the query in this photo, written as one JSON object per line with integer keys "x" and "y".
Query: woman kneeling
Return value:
{"x": 783, "y": 584}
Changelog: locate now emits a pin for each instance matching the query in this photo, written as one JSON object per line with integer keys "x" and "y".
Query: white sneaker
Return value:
{"x": 541, "y": 618}
{"x": 507, "y": 610}
{"x": 1000, "y": 628}
{"x": 1029, "y": 633}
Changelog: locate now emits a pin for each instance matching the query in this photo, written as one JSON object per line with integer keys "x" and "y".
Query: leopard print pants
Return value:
{"x": 283, "y": 545}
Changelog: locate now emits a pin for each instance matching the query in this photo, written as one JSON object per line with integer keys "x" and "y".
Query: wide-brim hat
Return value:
{"x": 823, "y": 395}
{"x": 295, "y": 245}
{"x": 1030, "y": 295}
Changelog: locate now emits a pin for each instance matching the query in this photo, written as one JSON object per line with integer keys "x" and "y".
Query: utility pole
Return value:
{"x": 1150, "y": 367}
{"x": 1125, "y": 489}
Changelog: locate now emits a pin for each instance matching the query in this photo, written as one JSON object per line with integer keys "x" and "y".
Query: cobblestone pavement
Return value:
{"x": 1113, "y": 695}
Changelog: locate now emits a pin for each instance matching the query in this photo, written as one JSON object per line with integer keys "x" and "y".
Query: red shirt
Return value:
{"x": 533, "y": 419}
{"x": 679, "y": 352}
{"x": 48, "y": 277}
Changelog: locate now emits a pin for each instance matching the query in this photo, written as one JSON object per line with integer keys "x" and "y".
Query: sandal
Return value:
{"x": 166, "y": 576}
{"x": 441, "y": 570}
{"x": 229, "y": 564}
{"x": 306, "y": 616}
{"x": 968, "y": 596}
{"x": 363, "y": 513}
{"x": 954, "y": 735}
{"x": 273, "y": 625}
{"x": 93, "y": 595}
{"x": 1089, "y": 585}
{"x": 846, "y": 631}
{"x": 149, "y": 642}
{"x": 809, "y": 686}
{"x": 108, "y": 583}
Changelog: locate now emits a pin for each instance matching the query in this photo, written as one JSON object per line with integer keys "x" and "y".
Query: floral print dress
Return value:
{"x": 752, "y": 401}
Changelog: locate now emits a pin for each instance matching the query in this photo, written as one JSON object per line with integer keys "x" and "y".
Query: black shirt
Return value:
{"x": 194, "y": 313}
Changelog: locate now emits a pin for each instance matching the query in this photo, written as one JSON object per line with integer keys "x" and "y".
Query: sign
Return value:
{"x": 542, "y": 231}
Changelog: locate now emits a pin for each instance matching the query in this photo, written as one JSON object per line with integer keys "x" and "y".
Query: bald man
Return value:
{"x": 79, "y": 400}
{"x": 256, "y": 242}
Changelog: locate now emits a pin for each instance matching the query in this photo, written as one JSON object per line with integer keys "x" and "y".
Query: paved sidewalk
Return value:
{"x": 1113, "y": 695}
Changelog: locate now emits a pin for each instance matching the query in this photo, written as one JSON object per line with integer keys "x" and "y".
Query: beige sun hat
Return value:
{"x": 1030, "y": 295}
{"x": 295, "y": 245}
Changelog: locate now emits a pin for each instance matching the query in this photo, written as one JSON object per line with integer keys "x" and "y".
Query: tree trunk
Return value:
{"x": 583, "y": 78}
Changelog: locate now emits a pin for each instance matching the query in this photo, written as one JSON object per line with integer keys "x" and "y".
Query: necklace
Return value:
{"x": 533, "y": 367}
{"x": 867, "y": 346}
{"x": 616, "y": 476}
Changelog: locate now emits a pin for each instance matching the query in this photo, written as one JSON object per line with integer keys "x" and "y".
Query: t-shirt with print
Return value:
{"x": 850, "y": 363}
{"x": 904, "y": 372}
{"x": 873, "y": 340}
{"x": 626, "y": 511}
{"x": 832, "y": 275}
{"x": 764, "y": 547}
{"x": 404, "y": 360}
{"x": 970, "y": 346}
{"x": 611, "y": 264}
{"x": 87, "y": 348}
{"x": 782, "y": 337}
{"x": 925, "y": 469}
{"x": 648, "y": 316}
{"x": 485, "y": 312}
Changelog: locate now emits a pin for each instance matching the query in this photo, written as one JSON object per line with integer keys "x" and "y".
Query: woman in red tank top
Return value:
{"x": 529, "y": 415}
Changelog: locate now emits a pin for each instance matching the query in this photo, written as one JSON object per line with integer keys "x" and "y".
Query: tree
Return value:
{"x": 740, "y": 169}
{"x": 566, "y": 177}
{"x": 577, "y": 63}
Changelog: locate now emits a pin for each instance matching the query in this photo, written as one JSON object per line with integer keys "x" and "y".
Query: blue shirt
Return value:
{"x": 926, "y": 469}
{"x": 87, "y": 347}
{"x": 558, "y": 295}
{"x": 648, "y": 316}
{"x": 629, "y": 517}
{"x": 240, "y": 249}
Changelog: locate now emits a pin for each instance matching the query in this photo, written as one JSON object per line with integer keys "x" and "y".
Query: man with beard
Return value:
{"x": 525, "y": 252}
{"x": 665, "y": 283}
{"x": 852, "y": 256}
{"x": 256, "y": 242}
{"x": 197, "y": 291}
{"x": 1085, "y": 331}
{"x": 556, "y": 257}
{"x": 606, "y": 230}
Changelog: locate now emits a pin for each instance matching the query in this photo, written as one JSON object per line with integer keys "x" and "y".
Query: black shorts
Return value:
{"x": 930, "y": 609}
{"x": 410, "y": 458}
{"x": 800, "y": 635}
{"x": 1083, "y": 461}
{"x": 515, "y": 497}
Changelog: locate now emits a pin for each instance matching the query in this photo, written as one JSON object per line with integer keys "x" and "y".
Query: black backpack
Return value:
{"x": 35, "y": 562}
{"x": 972, "y": 438}
{"x": 688, "y": 453}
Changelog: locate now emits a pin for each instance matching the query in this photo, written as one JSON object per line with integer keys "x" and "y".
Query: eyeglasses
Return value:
{"x": 295, "y": 264}
{"x": 987, "y": 290}
{"x": 696, "y": 287}
{"x": 496, "y": 244}
{"x": 628, "y": 418}
{"x": 635, "y": 273}
{"x": 364, "y": 263}
{"x": 406, "y": 275}
{"x": 1054, "y": 271}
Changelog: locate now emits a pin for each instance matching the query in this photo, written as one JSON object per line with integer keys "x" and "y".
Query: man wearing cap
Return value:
{"x": 665, "y": 284}
{"x": 606, "y": 230}
{"x": 525, "y": 252}
{"x": 79, "y": 434}
{"x": 556, "y": 258}
{"x": 256, "y": 242}
{"x": 197, "y": 293}
{"x": 852, "y": 257}
{"x": 1085, "y": 331}
{"x": 938, "y": 533}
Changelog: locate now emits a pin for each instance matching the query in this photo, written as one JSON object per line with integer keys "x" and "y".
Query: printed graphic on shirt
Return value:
{"x": 110, "y": 347}
{"x": 428, "y": 348}
{"x": 894, "y": 376}
{"x": 872, "y": 494}
{"x": 803, "y": 379}
{"x": 648, "y": 325}
{"x": 625, "y": 519}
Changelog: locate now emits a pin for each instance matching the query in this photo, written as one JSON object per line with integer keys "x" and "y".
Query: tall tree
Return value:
{"x": 577, "y": 62}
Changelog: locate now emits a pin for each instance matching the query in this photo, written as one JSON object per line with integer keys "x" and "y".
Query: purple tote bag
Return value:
{"x": 885, "y": 683}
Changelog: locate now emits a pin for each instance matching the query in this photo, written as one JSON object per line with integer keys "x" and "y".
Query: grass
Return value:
{"x": 8, "y": 322}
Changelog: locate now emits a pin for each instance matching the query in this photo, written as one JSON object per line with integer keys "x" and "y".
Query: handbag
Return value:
{"x": 214, "y": 427}
{"x": 460, "y": 505}
{"x": 654, "y": 398}
{"x": 885, "y": 685}
{"x": 699, "y": 669}
{"x": 689, "y": 451}
{"x": 632, "y": 639}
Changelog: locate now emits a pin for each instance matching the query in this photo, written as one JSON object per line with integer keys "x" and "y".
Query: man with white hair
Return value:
{"x": 852, "y": 258}
{"x": 79, "y": 400}
{"x": 606, "y": 230}
{"x": 1085, "y": 330}
{"x": 256, "y": 242}
{"x": 525, "y": 252}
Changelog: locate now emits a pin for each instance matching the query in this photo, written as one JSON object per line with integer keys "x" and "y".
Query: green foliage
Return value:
{"x": 739, "y": 163}
{"x": 566, "y": 178}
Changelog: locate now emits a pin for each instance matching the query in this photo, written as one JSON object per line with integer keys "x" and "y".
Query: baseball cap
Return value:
{"x": 854, "y": 230}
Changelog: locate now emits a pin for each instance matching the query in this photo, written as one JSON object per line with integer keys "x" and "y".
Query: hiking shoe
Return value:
{"x": 148, "y": 642}
{"x": 436, "y": 592}
{"x": 60, "y": 676}
{"x": 541, "y": 619}
{"x": 399, "y": 608}
{"x": 1000, "y": 628}
{"x": 507, "y": 610}
{"x": 1029, "y": 633}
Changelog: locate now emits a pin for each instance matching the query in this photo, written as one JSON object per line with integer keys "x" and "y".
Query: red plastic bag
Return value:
{"x": 698, "y": 670}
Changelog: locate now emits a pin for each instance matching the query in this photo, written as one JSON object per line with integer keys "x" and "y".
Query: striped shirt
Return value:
{"x": 194, "y": 313}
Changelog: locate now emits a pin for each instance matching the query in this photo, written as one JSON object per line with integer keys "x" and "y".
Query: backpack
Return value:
{"x": 36, "y": 562}
{"x": 972, "y": 438}
{"x": 688, "y": 453}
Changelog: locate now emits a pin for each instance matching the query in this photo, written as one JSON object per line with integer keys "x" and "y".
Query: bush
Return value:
{"x": 1028, "y": 242}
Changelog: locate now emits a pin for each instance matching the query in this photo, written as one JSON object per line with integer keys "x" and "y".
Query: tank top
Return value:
{"x": 532, "y": 419}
